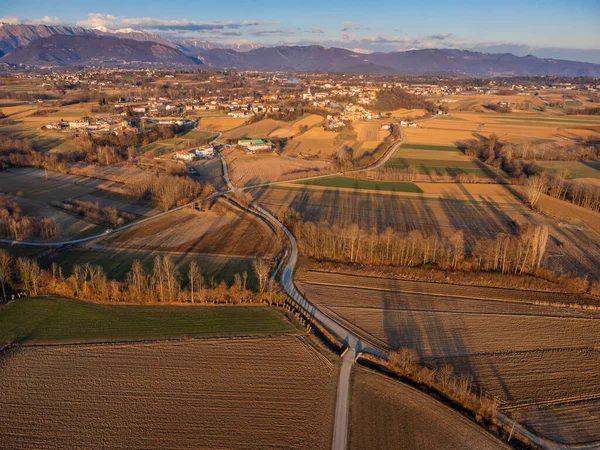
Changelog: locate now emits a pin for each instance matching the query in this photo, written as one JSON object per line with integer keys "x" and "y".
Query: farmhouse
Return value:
{"x": 184, "y": 156}
{"x": 79, "y": 124}
{"x": 207, "y": 151}
{"x": 254, "y": 145}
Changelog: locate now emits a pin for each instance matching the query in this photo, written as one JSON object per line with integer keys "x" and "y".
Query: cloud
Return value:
{"x": 186, "y": 25}
{"x": 348, "y": 26}
{"x": 98, "y": 20}
{"x": 262, "y": 33}
{"x": 440, "y": 36}
{"x": 315, "y": 31}
{"x": 10, "y": 19}
{"x": 47, "y": 20}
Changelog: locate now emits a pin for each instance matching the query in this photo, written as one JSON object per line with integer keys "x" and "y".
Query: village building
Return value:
{"x": 254, "y": 145}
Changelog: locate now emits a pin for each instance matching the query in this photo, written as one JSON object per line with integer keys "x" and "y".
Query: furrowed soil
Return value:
{"x": 216, "y": 393}
{"x": 387, "y": 414}
{"x": 529, "y": 356}
{"x": 480, "y": 211}
{"x": 221, "y": 230}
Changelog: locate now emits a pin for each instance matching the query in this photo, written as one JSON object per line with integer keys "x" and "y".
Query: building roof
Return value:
{"x": 251, "y": 142}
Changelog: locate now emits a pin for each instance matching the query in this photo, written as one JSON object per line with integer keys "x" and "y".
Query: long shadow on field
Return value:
{"x": 474, "y": 218}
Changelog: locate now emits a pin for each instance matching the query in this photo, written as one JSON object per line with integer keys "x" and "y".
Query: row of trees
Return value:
{"x": 558, "y": 186}
{"x": 94, "y": 212}
{"x": 520, "y": 253}
{"x": 14, "y": 224}
{"x": 169, "y": 190}
{"x": 164, "y": 283}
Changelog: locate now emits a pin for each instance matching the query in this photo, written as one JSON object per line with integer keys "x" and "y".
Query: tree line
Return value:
{"x": 522, "y": 252}
{"x": 94, "y": 212}
{"x": 167, "y": 190}
{"x": 14, "y": 224}
{"x": 164, "y": 283}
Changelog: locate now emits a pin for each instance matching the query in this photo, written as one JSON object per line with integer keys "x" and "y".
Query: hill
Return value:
{"x": 64, "y": 50}
{"x": 413, "y": 62}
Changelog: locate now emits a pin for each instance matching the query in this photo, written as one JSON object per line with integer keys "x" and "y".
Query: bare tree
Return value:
{"x": 30, "y": 274}
{"x": 195, "y": 281}
{"x": 262, "y": 268}
{"x": 5, "y": 271}
{"x": 535, "y": 186}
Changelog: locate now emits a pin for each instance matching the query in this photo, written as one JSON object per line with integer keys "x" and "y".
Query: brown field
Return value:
{"x": 385, "y": 412}
{"x": 294, "y": 129}
{"x": 246, "y": 169}
{"x": 408, "y": 113}
{"x": 210, "y": 171}
{"x": 369, "y": 131}
{"x": 500, "y": 337}
{"x": 222, "y": 230}
{"x": 35, "y": 189}
{"x": 257, "y": 130}
{"x": 211, "y": 393}
{"x": 564, "y": 210}
{"x": 478, "y": 210}
{"x": 429, "y": 136}
{"x": 220, "y": 123}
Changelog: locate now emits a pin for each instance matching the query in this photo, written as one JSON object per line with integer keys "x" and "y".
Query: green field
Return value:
{"x": 52, "y": 319}
{"x": 116, "y": 263}
{"x": 555, "y": 121}
{"x": 440, "y": 148}
{"x": 577, "y": 169}
{"x": 355, "y": 183}
{"x": 443, "y": 167}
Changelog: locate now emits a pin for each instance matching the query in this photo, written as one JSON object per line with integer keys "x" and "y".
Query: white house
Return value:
{"x": 206, "y": 151}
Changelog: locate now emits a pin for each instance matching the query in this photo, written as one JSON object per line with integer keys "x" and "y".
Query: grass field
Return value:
{"x": 248, "y": 393}
{"x": 439, "y": 148}
{"x": 577, "y": 169}
{"x": 46, "y": 320}
{"x": 356, "y": 183}
{"x": 386, "y": 412}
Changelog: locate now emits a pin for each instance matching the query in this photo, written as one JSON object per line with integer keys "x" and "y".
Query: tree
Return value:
{"x": 29, "y": 273}
{"x": 195, "y": 281}
{"x": 535, "y": 186}
{"x": 262, "y": 269}
{"x": 5, "y": 271}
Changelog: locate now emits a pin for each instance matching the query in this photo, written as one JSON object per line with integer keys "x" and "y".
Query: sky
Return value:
{"x": 551, "y": 28}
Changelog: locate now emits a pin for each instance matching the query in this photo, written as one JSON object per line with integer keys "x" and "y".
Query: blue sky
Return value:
{"x": 546, "y": 28}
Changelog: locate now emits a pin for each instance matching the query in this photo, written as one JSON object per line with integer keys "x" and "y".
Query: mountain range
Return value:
{"x": 45, "y": 45}
{"x": 64, "y": 50}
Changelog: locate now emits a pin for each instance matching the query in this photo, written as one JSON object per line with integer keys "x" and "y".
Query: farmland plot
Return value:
{"x": 385, "y": 412}
{"x": 221, "y": 230}
{"x": 245, "y": 170}
{"x": 220, "y": 123}
{"x": 223, "y": 393}
{"x": 257, "y": 130}
{"x": 480, "y": 211}
{"x": 530, "y": 357}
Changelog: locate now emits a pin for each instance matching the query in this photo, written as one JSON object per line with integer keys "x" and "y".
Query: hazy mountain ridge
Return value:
{"x": 412, "y": 62}
{"x": 63, "y": 50}
{"x": 315, "y": 58}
